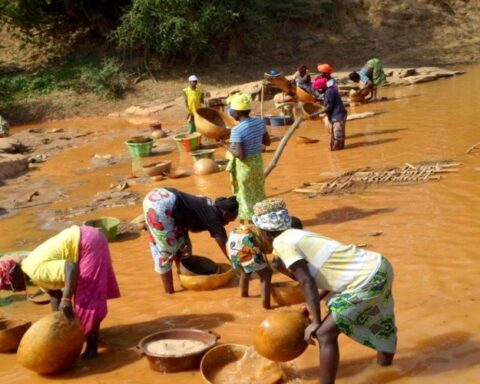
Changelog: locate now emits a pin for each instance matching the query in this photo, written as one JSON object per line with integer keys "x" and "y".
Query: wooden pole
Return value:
{"x": 261, "y": 100}
{"x": 283, "y": 143}
{"x": 472, "y": 148}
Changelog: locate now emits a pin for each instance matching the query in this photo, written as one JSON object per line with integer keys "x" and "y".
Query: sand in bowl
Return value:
{"x": 175, "y": 347}
{"x": 250, "y": 369}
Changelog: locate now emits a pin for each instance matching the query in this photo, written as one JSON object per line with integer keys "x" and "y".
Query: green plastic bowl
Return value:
{"x": 108, "y": 225}
{"x": 140, "y": 147}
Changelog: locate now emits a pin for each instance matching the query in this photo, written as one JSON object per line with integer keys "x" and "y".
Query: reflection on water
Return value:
{"x": 430, "y": 232}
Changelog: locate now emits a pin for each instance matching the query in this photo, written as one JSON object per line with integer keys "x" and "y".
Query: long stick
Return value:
{"x": 283, "y": 144}
{"x": 472, "y": 148}
{"x": 261, "y": 100}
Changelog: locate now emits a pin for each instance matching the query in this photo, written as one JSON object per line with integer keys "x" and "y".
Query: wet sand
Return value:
{"x": 430, "y": 233}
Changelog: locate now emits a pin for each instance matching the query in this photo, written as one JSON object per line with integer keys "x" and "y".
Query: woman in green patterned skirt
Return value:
{"x": 358, "y": 284}
{"x": 246, "y": 163}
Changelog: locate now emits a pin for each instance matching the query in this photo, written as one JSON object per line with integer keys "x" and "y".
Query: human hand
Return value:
{"x": 185, "y": 251}
{"x": 310, "y": 332}
{"x": 66, "y": 308}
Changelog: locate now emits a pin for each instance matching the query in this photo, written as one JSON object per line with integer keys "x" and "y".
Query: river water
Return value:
{"x": 430, "y": 232}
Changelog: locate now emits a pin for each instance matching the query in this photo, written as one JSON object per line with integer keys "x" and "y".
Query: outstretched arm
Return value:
{"x": 222, "y": 243}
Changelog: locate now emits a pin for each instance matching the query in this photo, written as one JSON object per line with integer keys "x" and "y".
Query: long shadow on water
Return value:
{"x": 370, "y": 143}
{"x": 117, "y": 343}
{"x": 342, "y": 214}
{"x": 382, "y": 132}
{"x": 429, "y": 357}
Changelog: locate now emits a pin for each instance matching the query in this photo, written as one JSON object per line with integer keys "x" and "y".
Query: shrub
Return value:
{"x": 108, "y": 81}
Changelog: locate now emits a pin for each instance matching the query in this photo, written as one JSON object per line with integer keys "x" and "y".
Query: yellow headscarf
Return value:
{"x": 241, "y": 102}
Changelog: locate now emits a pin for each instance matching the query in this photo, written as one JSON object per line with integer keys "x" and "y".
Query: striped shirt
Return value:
{"x": 334, "y": 266}
{"x": 249, "y": 132}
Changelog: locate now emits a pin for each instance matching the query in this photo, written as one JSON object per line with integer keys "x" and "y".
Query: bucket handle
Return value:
{"x": 213, "y": 333}
{"x": 139, "y": 350}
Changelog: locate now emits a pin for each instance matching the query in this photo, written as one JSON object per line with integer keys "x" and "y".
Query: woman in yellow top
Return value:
{"x": 75, "y": 268}
{"x": 358, "y": 285}
{"x": 193, "y": 100}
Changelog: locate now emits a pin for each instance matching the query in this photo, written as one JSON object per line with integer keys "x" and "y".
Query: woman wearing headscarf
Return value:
{"x": 75, "y": 269}
{"x": 246, "y": 163}
{"x": 359, "y": 284}
{"x": 372, "y": 76}
{"x": 170, "y": 214}
{"x": 247, "y": 251}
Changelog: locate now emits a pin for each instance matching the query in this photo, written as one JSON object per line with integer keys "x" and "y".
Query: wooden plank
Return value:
{"x": 305, "y": 190}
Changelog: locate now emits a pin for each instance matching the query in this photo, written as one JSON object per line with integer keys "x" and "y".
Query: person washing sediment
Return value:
{"x": 302, "y": 78}
{"x": 194, "y": 99}
{"x": 358, "y": 283}
{"x": 336, "y": 114}
{"x": 248, "y": 254}
{"x": 245, "y": 154}
{"x": 75, "y": 269}
{"x": 170, "y": 214}
{"x": 371, "y": 75}
{"x": 325, "y": 71}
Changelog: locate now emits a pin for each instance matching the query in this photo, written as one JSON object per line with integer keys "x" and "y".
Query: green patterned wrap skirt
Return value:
{"x": 248, "y": 183}
{"x": 366, "y": 314}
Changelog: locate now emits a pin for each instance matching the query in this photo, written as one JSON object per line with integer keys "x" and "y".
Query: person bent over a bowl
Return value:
{"x": 247, "y": 252}
{"x": 358, "y": 285}
{"x": 170, "y": 214}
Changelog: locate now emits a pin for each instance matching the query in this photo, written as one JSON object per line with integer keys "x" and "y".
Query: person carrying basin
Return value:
{"x": 245, "y": 154}
{"x": 171, "y": 214}
{"x": 75, "y": 269}
{"x": 358, "y": 282}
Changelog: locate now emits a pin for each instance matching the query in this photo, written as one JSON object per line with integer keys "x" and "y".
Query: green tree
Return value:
{"x": 61, "y": 16}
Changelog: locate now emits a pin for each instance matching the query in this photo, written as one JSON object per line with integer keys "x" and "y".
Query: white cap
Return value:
{"x": 193, "y": 78}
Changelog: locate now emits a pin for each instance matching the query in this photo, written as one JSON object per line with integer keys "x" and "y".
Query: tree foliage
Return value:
{"x": 61, "y": 16}
{"x": 184, "y": 28}
{"x": 173, "y": 29}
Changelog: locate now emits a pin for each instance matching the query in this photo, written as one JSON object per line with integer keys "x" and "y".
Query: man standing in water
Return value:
{"x": 193, "y": 100}
{"x": 360, "y": 284}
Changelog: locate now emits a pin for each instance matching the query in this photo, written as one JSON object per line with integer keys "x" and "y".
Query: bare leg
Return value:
{"x": 327, "y": 337}
{"x": 92, "y": 343}
{"x": 265, "y": 281}
{"x": 385, "y": 358}
{"x": 167, "y": 280}
{"x": 244, "y": 283}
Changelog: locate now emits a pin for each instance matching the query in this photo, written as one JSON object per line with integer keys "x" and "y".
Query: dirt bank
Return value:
{"x": 407, "y": 33}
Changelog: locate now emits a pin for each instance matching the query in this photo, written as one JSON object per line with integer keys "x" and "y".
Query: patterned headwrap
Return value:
{"x": 272, "y": 215}
{"x": 6, "y": 271}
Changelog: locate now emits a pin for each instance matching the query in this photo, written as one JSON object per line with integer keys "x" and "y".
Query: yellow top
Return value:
{"x": 194, "y": 98}
{"x": 334, "y": 266}
{"x": 45, "y": 265}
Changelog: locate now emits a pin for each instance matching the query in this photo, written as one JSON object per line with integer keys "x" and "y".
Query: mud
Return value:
{"x": 428, "y": 231}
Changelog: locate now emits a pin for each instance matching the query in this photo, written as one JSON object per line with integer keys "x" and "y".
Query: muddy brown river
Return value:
{"x": 430, "y": 232}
